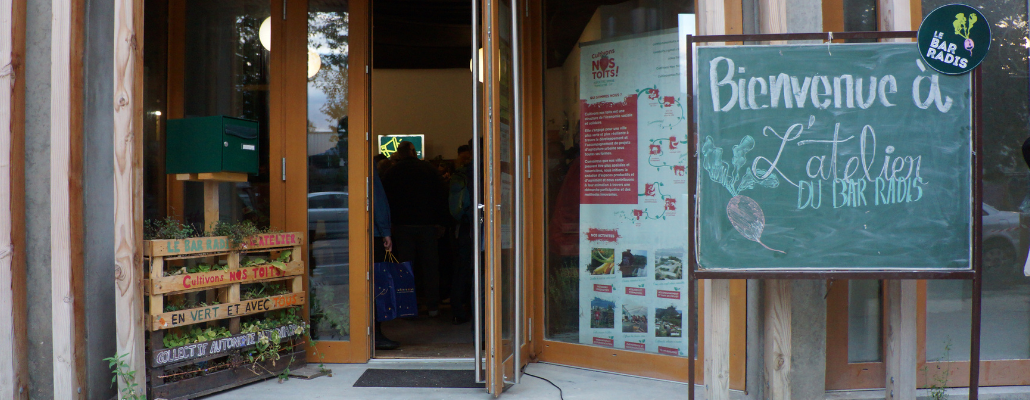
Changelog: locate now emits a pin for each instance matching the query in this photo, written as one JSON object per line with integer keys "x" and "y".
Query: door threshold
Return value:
{"x": 419, "y": 360}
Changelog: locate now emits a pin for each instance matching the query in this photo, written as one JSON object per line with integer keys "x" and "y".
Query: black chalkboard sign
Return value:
{"x": 831, "y": 157}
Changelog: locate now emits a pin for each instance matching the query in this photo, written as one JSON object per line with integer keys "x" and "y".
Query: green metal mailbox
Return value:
{"x": 212, "y": 144}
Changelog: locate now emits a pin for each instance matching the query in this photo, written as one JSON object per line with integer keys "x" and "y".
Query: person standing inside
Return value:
{"x": 418, "y": 207}
{"x": 460, "y": 205}
{"x": 383, "y": 242}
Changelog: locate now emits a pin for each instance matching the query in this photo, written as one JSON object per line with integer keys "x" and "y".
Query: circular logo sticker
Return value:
{"x": 954, "y": 39}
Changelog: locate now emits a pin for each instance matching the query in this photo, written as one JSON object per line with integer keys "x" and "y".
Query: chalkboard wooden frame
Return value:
{"x": 974, "y": 274}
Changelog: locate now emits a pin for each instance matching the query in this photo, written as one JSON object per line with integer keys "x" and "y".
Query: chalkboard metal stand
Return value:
{"x": 975, "y": 274}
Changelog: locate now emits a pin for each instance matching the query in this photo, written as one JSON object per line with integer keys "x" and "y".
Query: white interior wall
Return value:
{"x": 436, "y": 103}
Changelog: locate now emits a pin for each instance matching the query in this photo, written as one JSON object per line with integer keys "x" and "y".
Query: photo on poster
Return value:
{"x": 634, "y": 264}
{"x": 668, "y": 264}
{"x": 634, "y": 318}
{"x": 602, "y": 313}
{"x": 602, "y": 261}
{"x": 668, "y": 322}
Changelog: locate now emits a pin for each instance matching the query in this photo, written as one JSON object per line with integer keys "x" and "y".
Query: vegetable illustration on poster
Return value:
{"x": 633, "y": 193}
{"x": 816, "y": 157}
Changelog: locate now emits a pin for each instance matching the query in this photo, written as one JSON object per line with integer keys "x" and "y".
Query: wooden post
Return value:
{"x": 900, "y": 303}
{"x": 128, "y": 185}
{"x": 13, "y": 357}
{"x": 210, "y": 205}
{"x": 717, "y": 339}
{"x": 66, "y": 153}
{"x": 712, "y": 21}
{"x": 777, "y": 338}
{"x": 900, "y": 340}
{"x": 895, "y": 15}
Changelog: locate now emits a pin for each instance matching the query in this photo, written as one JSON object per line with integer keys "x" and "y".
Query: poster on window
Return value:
{"x": 633, "y": 194}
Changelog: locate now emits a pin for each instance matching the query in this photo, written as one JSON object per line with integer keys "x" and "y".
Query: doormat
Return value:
{"x": 419, "y": 378}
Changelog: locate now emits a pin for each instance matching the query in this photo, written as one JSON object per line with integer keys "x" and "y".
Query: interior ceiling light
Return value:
{"x": 265, "y": 34}
{"x": 314, "y": 63}
{"x": 480, "y": 65}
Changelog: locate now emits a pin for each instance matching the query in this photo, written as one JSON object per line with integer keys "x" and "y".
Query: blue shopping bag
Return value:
{"x": 394, "y": 289}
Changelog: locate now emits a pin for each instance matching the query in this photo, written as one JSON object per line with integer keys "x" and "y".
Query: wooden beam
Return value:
{"x": 66, "y": 200}
{"x": 128, "y": 185}
{"x": 777, "y": 338}
{"x": 716, "y": 17}
{"x": 13, "y": 342}
{"x": 900, "y": 340}
{"x": 773, "y": 16}
{"x": 717, "y": 339}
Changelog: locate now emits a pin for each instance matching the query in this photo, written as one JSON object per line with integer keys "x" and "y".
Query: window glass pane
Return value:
{"x": 328, "y": 217}
{"x": 155, "y": 94}
{"x": 616, "y": 174}
{"x": 865, "y": 316}
{"x": 1006, "y": 292}
{"x": 859, "y": 15}
{"x": 227, "y": 74}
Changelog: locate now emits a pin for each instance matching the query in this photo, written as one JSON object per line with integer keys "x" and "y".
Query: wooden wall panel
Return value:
{"x": 128, "y": 184}
{"x": 13, "y": 342}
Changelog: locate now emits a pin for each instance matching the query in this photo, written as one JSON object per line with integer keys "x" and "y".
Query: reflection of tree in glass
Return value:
{"x": 250, "y": 75}
{"x": 1005, "y": 99}
{"x": 328, "y": 35}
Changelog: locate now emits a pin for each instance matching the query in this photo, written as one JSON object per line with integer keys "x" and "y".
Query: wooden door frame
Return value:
{"x": 359, "y": 348}
{"x": 288, "y": 117}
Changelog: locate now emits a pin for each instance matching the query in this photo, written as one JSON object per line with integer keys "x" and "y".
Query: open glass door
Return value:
{"x": 502, "y": 193}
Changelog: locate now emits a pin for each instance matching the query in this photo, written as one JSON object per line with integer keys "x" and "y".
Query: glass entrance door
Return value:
{"x": 325, "y": 167}
{"x": 502, "y": 190}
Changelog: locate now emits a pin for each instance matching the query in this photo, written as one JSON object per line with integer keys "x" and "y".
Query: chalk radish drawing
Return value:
{"x": 743, "y": 212}
{"x": 747, "y": 217}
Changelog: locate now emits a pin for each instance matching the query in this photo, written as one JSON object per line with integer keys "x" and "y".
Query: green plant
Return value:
{"x": 325, "y": 313}
{"x": 940, "y": 377}
{"x": 120, "y": 368}
{"x": 236, "y": 232}
{"x": 279, "y": 262}
{"x": 167, "y": 228}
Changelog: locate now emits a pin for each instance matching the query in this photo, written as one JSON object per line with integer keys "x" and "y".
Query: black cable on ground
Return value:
{"x": 561, "y": 395}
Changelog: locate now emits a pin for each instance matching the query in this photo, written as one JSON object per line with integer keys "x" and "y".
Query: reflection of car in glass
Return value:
{"x": 1001, "y": 231}
{"x": 328, "y": 231}
{"x": 327, "y": 215}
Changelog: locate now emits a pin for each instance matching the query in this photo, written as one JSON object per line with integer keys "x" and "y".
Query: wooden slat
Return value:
{"x": 214, "y": 279}
{"x": 900, "y": 339}
{"x": 220, "y": 244}
{"x": 717, "y": 339}
{"x": 128, "y": 185}
{"x": 13, "y": 363}
{"x": 223, "y": 311}
{"x": 65, "y": 199}
{"x": 777, "y": 338}
{"x": 196, "y": 352}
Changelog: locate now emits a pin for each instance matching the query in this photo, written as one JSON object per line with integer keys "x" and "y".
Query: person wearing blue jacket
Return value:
{"x": 382, "y": 243}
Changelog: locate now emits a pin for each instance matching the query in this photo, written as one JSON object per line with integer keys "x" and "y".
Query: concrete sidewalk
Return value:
{"x": 575, "y": 383}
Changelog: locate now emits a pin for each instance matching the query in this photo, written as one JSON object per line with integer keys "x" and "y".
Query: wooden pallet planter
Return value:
{"x": 222, "y": 286}
{"x": 213, "y": 382}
